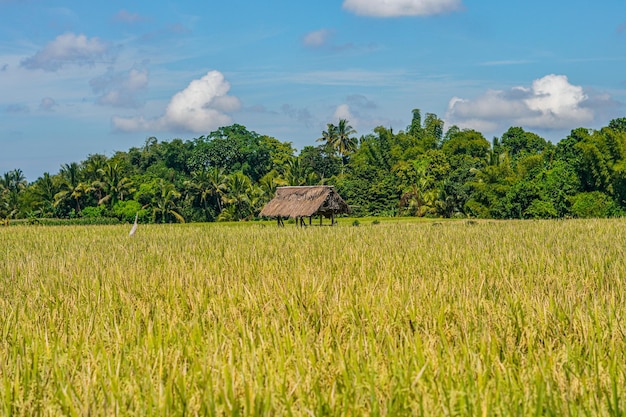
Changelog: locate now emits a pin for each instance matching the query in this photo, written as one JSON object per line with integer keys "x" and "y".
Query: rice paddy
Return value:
{"x": 397, "y": 318}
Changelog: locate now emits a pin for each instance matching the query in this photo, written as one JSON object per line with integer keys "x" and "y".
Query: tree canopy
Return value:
{"x": 230, "y": 173}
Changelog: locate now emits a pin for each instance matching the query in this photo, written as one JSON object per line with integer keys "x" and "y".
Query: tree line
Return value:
{"x": 232, "y": 172}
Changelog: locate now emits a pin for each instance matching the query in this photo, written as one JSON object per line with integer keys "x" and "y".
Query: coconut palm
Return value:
{"x": 14, "y": 180}
{"x": 218, "y": 184}
{"x": 12, "y": 184}
{"x": 344, "y": 142}
{"x": 329, "y": 135}
{"x": 419, "y": 197}
{"x": 340, "y": 139}
{"x": 268, "y": 184}
{"x": 238, "y": 194}
{"x": 297, "y": 174}
{"x": 113, "y": 186}
{"x": 197, "y": 188}
{"x": 45, "y": 189}
{"x": 164, "y": 202}
{"x": 72, "y": 187}
{"x": 92, "y": 167}
{"x": 207, "y": 184}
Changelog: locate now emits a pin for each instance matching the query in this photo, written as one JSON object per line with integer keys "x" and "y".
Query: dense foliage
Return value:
{"x": 421, "y": 171}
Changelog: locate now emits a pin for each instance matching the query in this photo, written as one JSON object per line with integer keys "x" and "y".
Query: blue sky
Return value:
{"x": 79, "y": 78}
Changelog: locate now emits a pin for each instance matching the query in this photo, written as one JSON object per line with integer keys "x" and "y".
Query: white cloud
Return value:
{"x": 397, "y": 8}
{"x": 556, "y": 103}
{"x": 199, "y": 108}
{"x": 68, "y": 49}
{"x": 120, "y": 89}
{"x": 551, "y": 102}
{"x": 358, "y": 117}
{"x": 317, "y": 38}
{"x": 343, "y": 112}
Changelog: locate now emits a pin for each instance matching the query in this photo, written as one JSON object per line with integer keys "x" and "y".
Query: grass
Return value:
{"x": 397, "y": 318}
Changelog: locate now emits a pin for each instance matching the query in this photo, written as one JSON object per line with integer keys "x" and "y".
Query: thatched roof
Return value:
{"x": 305, "y": 201}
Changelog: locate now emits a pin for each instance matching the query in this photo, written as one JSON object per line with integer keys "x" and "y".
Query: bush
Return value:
{"x": 594, "y": 204}
{"x": 126, "y": 211}
{"x": 84, "y": 221}
{"x": 94, "y": 211}
{"x": 540, "y": 209}
{"x": 476, "y": 209}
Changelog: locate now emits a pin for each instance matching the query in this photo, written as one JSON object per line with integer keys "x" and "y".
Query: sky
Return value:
{"x": 80, "y": 78}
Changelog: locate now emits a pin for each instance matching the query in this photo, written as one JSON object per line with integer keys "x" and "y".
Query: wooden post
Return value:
{"x": 310, "y": 220}
{"x": 321, "y": 218}
{"x": 332, "y": 218}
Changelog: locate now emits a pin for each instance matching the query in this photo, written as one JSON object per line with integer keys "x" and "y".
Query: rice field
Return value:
{"x": 397, "y": 318}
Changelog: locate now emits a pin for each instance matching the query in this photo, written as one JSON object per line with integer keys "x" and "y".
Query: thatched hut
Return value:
{"x": 305, "y": 201}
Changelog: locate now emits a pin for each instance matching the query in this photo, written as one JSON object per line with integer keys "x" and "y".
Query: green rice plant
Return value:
{"x": 500, "y": 318}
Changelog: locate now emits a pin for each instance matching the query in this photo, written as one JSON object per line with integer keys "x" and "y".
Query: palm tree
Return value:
{"x": 71, "y": 187}
{"x": 197, "y": 188}
{"x": 329, "y": 135}
{"x": 45, "y": 189}
{"x": 164, "y": 202}
{"x": 419, "y": 197}
{"x": 218, "y": 184}
{"x": 5, "y": 207}
{"x": 268, "y": 184}
{"x": 114, "y": 185}
{"x": 14, "y": 180}
{"x": 446, "y": 203}
{"x": 11, "y": 186}
{"x": 93, "y": 165}
{"x": 297, "y": 174}
{"x": 239, "y": 193}
{"x": 340, "y": 139}
{"x": 206, "y": 183}
{"x": 345, "y": 144}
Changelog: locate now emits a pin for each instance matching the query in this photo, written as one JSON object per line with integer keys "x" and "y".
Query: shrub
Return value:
{"x": 540, "y": 209}
{"x": 94, "y": 211}
{"x": 594, "y": 204}
{"x": 126, "y": 211}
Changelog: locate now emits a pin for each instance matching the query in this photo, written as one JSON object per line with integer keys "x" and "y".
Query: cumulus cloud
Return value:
{"x": 201, "y": 107}
{"x": 119, "y": 89}
{"x": 355, "y": 112}
{"x": 68, "y": 49}
{"x": 551, "y": 102}
{"x": 343, "y": 112}
{"x": 397, "y": 8}
{"x": 317, "y": 38}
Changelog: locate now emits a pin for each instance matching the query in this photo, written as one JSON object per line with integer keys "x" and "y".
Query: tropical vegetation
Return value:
{"x": 421, "y": 171}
